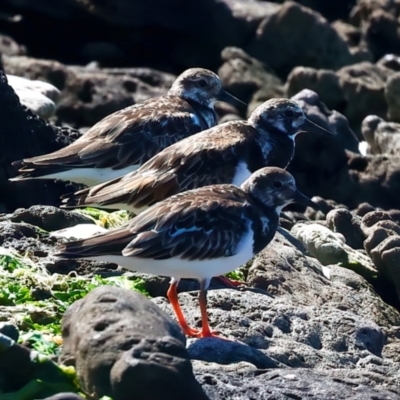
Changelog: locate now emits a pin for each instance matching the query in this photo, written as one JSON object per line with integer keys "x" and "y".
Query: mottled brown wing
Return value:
{"x": 128, "y": 137}
{"x": 201, "y": 224}
{"x": 207, "y": 158}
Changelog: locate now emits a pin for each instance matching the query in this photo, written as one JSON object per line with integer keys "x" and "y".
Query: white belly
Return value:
{"x": 178, "y": 268}
{"x": 89, "y": 176}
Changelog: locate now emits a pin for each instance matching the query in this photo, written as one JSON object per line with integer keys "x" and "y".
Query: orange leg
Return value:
{"x": 205, "y": 330}
{"x": 173, "y": 299}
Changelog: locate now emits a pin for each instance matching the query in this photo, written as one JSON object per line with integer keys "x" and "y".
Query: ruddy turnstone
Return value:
{"x": 197, "y": 234}
{"x": 227, "y": 153}
{"x": 124, "y": 140}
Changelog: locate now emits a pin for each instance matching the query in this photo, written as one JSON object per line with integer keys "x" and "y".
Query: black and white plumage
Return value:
{"x": 124, "y": 140}
{"x": 227, "y": 153}
{"x": 197, "y": 234}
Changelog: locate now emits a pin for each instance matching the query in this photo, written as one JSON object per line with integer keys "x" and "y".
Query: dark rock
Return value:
{"x": 324, "y": 82}
{"x": 331, "y": 120}
{"x": 166, "y": 36}
{"x": 381, "y": 33}
{"x": 147, "y": 358}
{"x": 23, "y": 135}
{"x": 364, "y": 208}
{"x": 207, "y": 26}
{"x": 392, "y": 96}
{"x": 277, "y": 46}
{"x": 324, "y": 207}
{"x": 49, "y": 218}
{"x": 25, "y": 238}
{"x": 350, "y": 33}
{"x": 343, "y": 221}
{"x": 92, "y": 95}
{"x": 375, "y": 180}
{"x": 320, "y": 161}
{"x": 16, "y": 367}
{"x": 9, "y": 330}
{"x": 374, "y": 217}
{"x": 228, "y": 352}
{"x": 390, "y": 62}
{"x": 363, "y": 86}
{"x": 330, "y": 11}
{"x": 243, "y": 76}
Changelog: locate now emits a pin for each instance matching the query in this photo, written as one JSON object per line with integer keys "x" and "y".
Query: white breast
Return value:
{"x": 178, "y": 268}
{"x": 241, "y": 174}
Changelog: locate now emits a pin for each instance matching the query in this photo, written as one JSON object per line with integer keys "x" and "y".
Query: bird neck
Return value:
{"x": 264, "y": 224}
{"x": 205, "y": 110}
{"x": 277, "y": 147}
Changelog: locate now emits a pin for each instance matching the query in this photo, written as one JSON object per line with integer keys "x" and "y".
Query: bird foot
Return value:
{"x": 232, "y": 283}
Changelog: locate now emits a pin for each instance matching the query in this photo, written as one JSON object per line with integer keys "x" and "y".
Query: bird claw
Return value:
{"x": 232, "y": 283}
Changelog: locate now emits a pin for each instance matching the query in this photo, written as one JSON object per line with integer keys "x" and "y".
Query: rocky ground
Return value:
{"x": 318, "y": 316}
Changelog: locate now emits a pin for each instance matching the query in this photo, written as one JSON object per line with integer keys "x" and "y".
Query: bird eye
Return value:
{"x": 202, "y": 83}
{"x": 288, "y": 113}
{"x": 277, "y": 184}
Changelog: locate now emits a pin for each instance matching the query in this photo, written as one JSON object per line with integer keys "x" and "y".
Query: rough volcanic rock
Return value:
{"x": 91, "y": 94}
{"x": 330, "y": 248}
{"x": 383, "y": 244}
{"x": 392, "y": 96}
{"x": 241, "y": 383}
{"x": 363, "y": 86}
{"x": 324, "y": 82}
{"x": 48, "y": 218}
{"x": 300, "y": 318}
{"x": 50, "y": 71}
{"x": 147, "y": 358}
{"x": 24, "y": 134}
{"x": 377, "y": 178}
{"x": 320, "y": 161}
{"x": 187, "y": 34}
{"x": 346, "y": 223}
{"x": 382, "y": 137}
{"x": 153, "y": 33}
{"x": 243, "y": 76}
{"x": 276, "y": 44}
{"x": 381, "y": 32}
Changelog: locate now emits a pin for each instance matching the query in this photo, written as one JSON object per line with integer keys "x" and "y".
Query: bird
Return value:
{"x": 127, "y": 138}
{"x": 226, "y": 153}
{"x": 197, "y": 234}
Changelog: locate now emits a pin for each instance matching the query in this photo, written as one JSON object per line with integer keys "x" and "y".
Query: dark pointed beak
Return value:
{"x": 223, "y": 95}
{"x": 300, "y": 198}
{"x": 309, "y": 126}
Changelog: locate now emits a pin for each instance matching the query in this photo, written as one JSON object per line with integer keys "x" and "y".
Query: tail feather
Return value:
{"x": 110, "y": 243}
